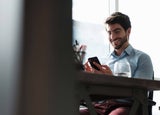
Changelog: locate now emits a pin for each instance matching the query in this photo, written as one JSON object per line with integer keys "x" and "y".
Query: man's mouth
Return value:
{"x": 116, "y": 42}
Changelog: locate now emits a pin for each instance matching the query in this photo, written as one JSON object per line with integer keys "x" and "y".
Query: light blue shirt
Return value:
{"x": 140, "y": 62}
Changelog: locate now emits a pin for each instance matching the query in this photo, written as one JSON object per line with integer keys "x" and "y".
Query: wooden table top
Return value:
{"x": 108, "y": 80}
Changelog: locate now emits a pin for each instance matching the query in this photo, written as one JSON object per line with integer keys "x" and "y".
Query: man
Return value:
{"x": 118, "y": 26}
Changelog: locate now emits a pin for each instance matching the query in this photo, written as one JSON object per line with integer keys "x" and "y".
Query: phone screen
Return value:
{"x": 94, "y": 59}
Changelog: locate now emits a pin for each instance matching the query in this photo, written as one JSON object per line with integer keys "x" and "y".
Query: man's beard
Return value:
{"x": 122, "y": 41}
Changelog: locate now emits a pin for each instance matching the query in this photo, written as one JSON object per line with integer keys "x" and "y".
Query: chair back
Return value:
{"x": 150, "y": 100}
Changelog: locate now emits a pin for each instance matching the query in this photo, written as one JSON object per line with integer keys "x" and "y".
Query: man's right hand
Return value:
{"x": 103, "y": 69}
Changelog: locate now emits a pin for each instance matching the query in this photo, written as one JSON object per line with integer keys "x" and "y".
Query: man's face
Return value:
{"x": 117, "y": 35}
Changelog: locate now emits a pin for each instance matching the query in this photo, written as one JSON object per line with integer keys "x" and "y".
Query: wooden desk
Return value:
{"x": 118, "y": 87}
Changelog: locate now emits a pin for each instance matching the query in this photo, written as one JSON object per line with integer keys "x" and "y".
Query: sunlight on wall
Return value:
{"x": 92, "y": 11}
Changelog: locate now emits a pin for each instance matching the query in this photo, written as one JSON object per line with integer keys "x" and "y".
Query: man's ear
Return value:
{"x": 128, "y": 31}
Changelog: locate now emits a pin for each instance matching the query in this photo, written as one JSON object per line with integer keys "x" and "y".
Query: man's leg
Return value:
{"x": 84, "y": 112}
{"x": 120, "y": 111}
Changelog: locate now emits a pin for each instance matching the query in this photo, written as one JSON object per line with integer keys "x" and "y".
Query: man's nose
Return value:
{"x": 112, "y": 37}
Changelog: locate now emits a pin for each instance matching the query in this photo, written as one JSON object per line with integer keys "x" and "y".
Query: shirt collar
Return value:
{"x": 127, "y": 51}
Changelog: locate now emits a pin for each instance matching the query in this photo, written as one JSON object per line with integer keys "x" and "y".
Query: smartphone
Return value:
{"x": 94, "y": 59}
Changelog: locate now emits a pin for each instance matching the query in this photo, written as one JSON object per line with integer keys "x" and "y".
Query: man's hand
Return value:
{"x": 103, "y": 69}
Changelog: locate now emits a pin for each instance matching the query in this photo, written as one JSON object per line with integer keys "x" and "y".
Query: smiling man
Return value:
{"x": 118, "y": 31}
{"x": 118, "y": 27}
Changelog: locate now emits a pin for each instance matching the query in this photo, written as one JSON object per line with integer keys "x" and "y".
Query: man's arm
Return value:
{"x": 144, "y": 67}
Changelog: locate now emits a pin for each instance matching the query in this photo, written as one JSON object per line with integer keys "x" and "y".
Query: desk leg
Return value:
{"x": 145, "y": 106}
{"x": 85, "y": 96}
{"x": 140, "y": 98}
{"x": 134, "y": 107}
{"x": 90, "y": 106}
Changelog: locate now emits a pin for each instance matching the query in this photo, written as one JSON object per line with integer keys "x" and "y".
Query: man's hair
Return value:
{"x": 120, "y": 18}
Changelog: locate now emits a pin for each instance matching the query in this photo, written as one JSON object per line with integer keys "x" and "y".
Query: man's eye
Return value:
{"x": 109, "y": 33}
{"x": 117, "y": 31}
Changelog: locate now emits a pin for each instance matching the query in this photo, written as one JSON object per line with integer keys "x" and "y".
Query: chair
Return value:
{"x": 150, "y": 100}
